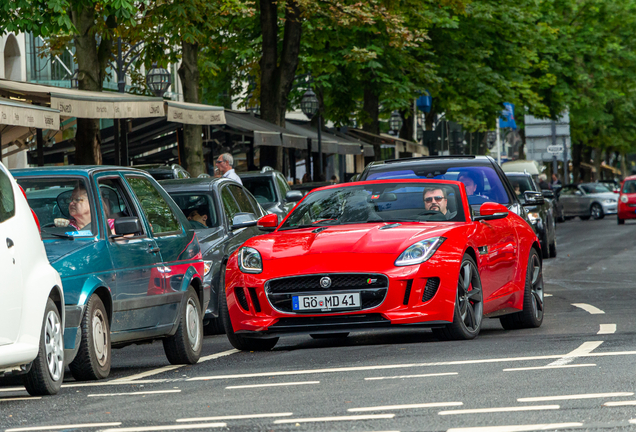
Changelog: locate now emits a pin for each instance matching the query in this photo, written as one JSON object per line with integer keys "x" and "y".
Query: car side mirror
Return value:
{"x": 268, "y": 222}
{"x": 548, "y": 194}
{"x": 243, "y": 220}
{"x": 491, "y": 211}
{"x": 128, "y": 225}
{"x": 533, "y": 198}
{"x": 293, "y": 196}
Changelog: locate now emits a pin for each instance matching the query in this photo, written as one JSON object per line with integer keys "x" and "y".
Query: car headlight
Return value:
{"x": 419, "y": 252}
{"x": 249, "y": 260}
{"x": 534, "y": 217}
{"x": 207, "y": 266}
{"x": 624, "y": 199}
{"x": 609, "y": 201}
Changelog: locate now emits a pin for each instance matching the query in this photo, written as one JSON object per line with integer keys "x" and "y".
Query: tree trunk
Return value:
{"x": 372, "y": 116}
{"x": 90, "y": 63}
{"x": 587, "y": 158}
{"x": 277, "y": 75}
{"x": 192, "y": 141}
{"x": 577, "y": 152}
{"x": 598, "y": 158}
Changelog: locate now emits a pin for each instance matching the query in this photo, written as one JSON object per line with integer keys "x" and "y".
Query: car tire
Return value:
{"x": 532, "y": 314}
{"x": 47, "y": 371}
{"x": 329, "y": 335}
{"x": 553, "y": 249}
{"x": 214, "y": 327}
{"x": 620, "y": 221}
{"x": 239, "y": 342}
{"x": 597, "y": 211}
{"x": 469, "y": 305}
{"x": 92, "y": 361}
{"x": 184, "y": 347}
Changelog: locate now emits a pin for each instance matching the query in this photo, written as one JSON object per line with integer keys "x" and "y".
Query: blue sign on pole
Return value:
{"x": 425, "y": 102}
{"x": 507, "y": 118}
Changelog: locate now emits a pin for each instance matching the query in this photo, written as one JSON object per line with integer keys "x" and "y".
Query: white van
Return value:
{"x": 532, "y": 167}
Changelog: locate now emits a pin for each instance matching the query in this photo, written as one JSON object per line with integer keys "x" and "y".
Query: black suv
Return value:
{"x": 271, "y": 190}
{"x": 541, "y": 216}
{"x": 484, "y": 179}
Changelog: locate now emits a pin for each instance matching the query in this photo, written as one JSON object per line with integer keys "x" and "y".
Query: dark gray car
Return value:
{"x": 271, "y": 190}
{"x": 223, "y": 214}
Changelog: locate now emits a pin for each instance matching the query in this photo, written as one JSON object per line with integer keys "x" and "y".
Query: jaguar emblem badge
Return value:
{"x": 325, "y": 282}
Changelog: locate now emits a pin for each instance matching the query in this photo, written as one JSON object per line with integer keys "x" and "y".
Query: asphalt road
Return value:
{"x": 576, "y": 372}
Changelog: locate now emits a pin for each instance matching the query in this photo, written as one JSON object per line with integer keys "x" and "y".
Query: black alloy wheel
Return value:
{"x": 469, "y": 305}
{"x": 597, "y": 211}
{"x": 532, "y": 314}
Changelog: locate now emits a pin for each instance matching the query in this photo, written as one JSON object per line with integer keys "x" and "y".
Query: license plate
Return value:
{"x": 326, "y": 302}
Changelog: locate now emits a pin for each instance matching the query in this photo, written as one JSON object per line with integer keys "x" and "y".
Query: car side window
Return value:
{"x": 282, "y": 185}
{"x": 7, "y": 199}
{"x": 157, "y": 210}
{"x": 115, "y": 201}
{"x": 243, "y": 201}
{"x": 230, "y": 207}
{"x": 259, "y": 210}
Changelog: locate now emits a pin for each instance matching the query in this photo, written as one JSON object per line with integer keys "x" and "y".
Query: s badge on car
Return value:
{"x": 325, "y": 282}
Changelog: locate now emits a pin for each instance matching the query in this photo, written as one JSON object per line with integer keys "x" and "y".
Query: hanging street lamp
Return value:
{"x": 158, "y": 80}
{"x": 309, "y": 106}
{"x": 75, "y": 79}
{"x": 395, "y": 122}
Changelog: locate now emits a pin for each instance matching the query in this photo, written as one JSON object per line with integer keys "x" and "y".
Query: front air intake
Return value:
{"x": 407, "y": 292}
{"x": 240, "y": 296}
{"x": 430, "y": 289}
{"x": 254, "y": 297}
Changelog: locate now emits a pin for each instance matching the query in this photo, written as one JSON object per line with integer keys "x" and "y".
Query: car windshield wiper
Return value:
{"x": 62, "y": 235}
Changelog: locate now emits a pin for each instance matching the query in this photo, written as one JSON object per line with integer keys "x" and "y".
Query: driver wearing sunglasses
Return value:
{"x": 436, "y": 199}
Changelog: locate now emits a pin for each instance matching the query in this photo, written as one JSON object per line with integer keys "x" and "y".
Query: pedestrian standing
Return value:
{"x": 555, "y": 181}
{"x": 225, "y": 164}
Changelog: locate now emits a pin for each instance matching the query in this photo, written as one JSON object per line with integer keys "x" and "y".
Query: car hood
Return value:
{"x": 57, "y": 249}
{"x": 367, "y": 238}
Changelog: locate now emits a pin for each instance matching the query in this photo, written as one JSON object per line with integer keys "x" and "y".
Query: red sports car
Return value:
{"x": 382, "y": 254}
{"x": 627, "y": 200}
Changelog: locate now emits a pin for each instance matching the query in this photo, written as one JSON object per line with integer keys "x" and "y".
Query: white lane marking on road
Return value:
{"x": 235, "y": 417}
{"x": 500, "y": 409}
{"x": 585, "y": 348}
{"x": 143, "y": 393}
{"x": 409, "y": 406}
{"x": 573, "y": 397}
{"x": 588, "y": 308}
{"x": 632, "y": 421}
{"x": 607, "y": 329}
{"x": 340, "y": 418}
{"x": 272, "y": 385}
{"x": 550, "y": 367}
{"x": 167, "y": 427}
{"x": 411, "y": 376}
{"x": 58, "y": 427}
{"x": 620, "y": 403}
{"x": 171, "y": 367}
{"x": 547, "y": 295}
{"x": 517, "y": 428}
{"x": 9, "y": 399}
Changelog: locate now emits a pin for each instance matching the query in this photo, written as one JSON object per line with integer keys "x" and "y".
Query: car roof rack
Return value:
{"x": 430, "y": 157}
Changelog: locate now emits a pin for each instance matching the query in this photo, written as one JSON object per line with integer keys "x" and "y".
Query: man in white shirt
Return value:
{"x": 224, "y": 163}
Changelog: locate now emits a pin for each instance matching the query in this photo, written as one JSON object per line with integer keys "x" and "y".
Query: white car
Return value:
{"x": 31, "y": 297}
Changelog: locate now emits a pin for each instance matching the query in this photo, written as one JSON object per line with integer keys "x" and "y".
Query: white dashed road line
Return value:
{"x": 500, "y": 409}
{"x": 167, "y": 427}
{"x": 67, "y": 426}
{"x": 588, "y": 308}
{"x": 549, "y": 367}
{"x": 518, "y": 428}
{"x": 620, "y": 403}
{"x": 272, "y": 385}
{"x": 341, "y": 418}
{"x": 9, "y": 399}
{"x": 607, "y": 329}
{"x": 137, "y": 393}
{"x": 574, "y": 397}
{"x": 411, "y": 376}
{"x": 409, "y": 406}
{"x": 583, "y": 350}
{"x": 235, "y": 417}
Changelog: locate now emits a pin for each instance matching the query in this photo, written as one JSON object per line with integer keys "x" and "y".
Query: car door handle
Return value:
{"x": 9, "y": 243}
{"x": 153, "y": 249}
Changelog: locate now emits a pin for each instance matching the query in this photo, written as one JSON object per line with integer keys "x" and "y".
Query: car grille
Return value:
{"x": 372, "y": 288}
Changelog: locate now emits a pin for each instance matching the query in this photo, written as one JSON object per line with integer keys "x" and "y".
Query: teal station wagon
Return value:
{"x": 130, "y": 263}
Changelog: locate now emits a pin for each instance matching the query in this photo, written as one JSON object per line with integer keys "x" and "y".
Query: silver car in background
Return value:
{"x": 587, "y": 200}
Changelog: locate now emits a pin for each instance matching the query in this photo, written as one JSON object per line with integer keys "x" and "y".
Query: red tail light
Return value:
{"x": 35, "y": 217}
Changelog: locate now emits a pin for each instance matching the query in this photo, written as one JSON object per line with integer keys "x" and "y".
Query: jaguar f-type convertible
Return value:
{"x": 383, "y": 254}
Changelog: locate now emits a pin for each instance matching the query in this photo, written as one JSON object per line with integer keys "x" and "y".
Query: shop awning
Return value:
{"x": 14, "y": 113}
{"x": 85, "y": 104}
{"x": 386, "y": 139}
{"x": 196, "y": 114}
{"x": 330, "y": 143}
{"x": 264, "y": 133}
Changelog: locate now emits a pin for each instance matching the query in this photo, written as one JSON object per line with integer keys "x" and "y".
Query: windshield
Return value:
{"x": 64, "y": 206}
{"x": 591, "y": 188}
{"x": 199, "y": 209}
{"x": 482, "y": 182}
{"x": 520, "y": 184}
{"x": 629, "y": 187}
{"x": 381, "y": 202}
{"x": 261, "y": 187}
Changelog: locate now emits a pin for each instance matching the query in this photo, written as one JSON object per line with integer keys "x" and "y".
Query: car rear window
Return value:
{"x": 261, "y": 187}
{"x": 7, "y": 199}
{"x": 488, "y": 185}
